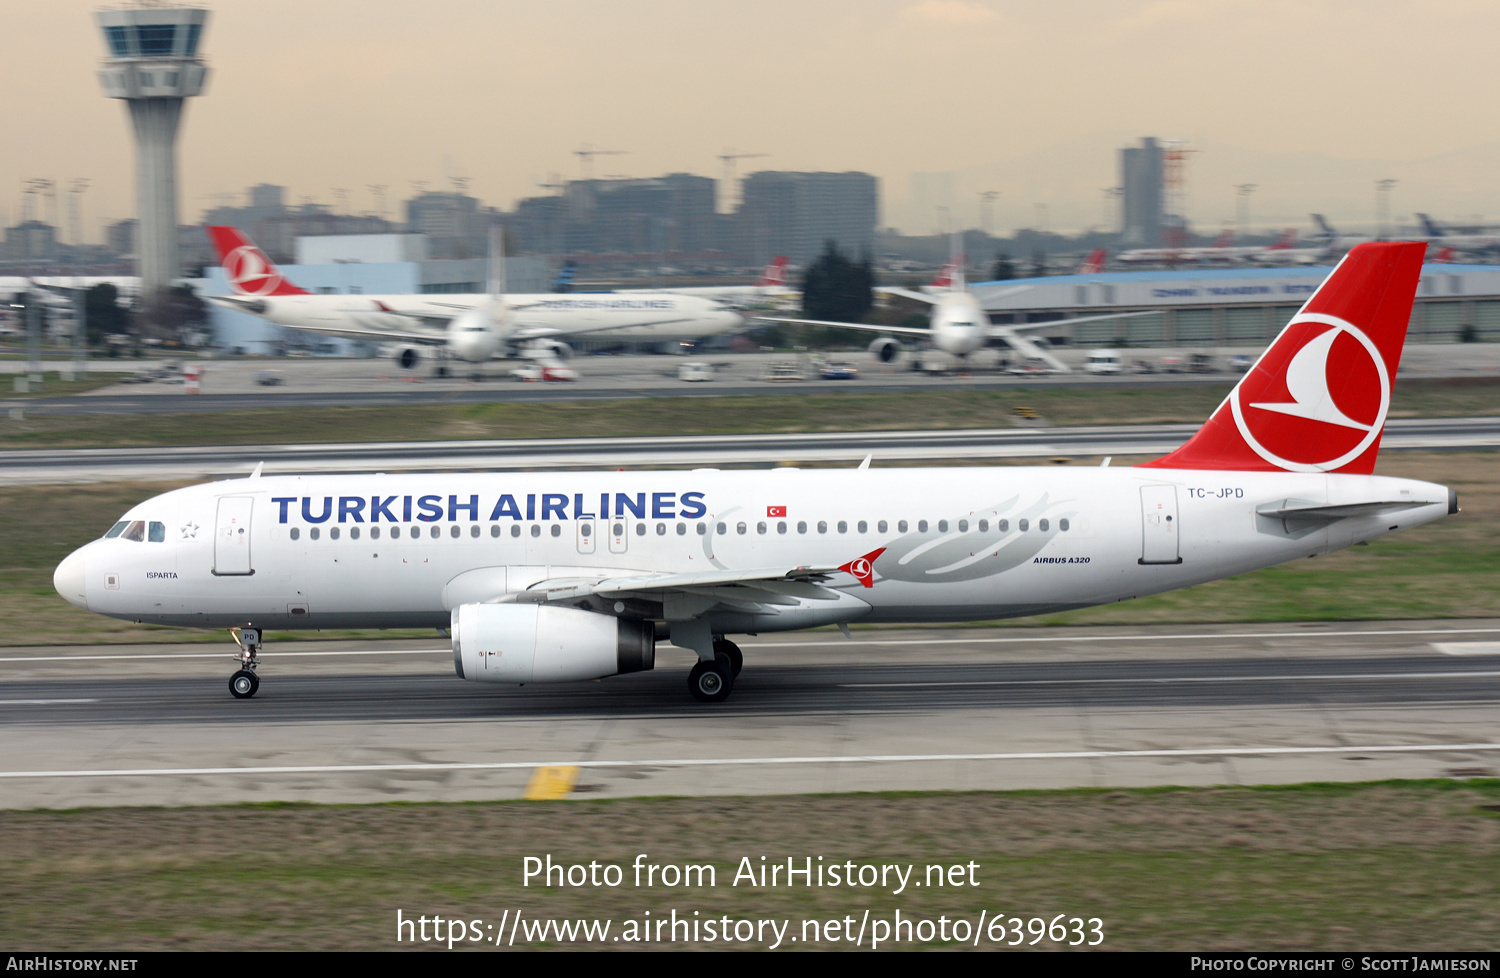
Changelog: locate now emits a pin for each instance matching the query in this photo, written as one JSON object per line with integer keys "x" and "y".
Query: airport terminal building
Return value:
{"x": 1231, "y": 307}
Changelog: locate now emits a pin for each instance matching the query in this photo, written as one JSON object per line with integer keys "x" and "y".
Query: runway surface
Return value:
{"x": 99, "y": 465}
{"x": 894, "y": 709}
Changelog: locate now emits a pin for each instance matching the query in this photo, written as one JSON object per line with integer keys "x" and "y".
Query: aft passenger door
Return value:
{"x": 232, "y": 536}
{"x": 1159, "y": 525}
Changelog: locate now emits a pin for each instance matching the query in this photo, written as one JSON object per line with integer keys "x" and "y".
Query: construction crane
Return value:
{"x": 586, "y": 158}
{"x": 730, "y": 159}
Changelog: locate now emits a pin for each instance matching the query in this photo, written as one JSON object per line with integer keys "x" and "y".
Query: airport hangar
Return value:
{"x": 1226, "y": 307}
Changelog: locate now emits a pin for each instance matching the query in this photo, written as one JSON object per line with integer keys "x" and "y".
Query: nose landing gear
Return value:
{"x": 244, "y": 683}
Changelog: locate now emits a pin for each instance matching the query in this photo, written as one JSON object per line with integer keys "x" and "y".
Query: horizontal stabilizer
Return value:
{"x": 1292, "y": 509}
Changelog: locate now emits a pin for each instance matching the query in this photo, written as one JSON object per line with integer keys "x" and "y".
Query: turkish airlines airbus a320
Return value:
{"x": 549, "y": 577}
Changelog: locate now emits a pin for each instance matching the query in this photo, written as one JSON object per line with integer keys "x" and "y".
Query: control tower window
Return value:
{"x": 192, "y": 39}
{"x": 118, "y": 45}
{"x": 156, "y": 40}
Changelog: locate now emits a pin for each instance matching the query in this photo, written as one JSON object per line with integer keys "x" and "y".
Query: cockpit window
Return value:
{"x": 117, "y": 529}
{"x": 158, "y": 532}
{"x": 135, "y": 531}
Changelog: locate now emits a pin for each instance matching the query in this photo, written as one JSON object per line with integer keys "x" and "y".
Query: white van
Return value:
{"x": 1104, "y": 362}
{"x": 695, "y": 370}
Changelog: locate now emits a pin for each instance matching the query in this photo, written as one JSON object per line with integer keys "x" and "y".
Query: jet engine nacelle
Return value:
{"x": 885, "y": 349}
{"x": 535, "y": 643}
{"x": 408, "y": 357}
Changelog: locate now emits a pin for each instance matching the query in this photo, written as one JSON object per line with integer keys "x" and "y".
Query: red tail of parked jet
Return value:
{"x": 944, "y": 278}
{"x": 1093, "y": 264}
{"x": 774, "y": 274}
{"x": 248, "y": 269}
{"x": 1288, "y": 239}
{"x": 1316, "y": 400}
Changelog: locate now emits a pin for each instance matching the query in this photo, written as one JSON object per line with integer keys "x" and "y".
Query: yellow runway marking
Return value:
{"x": 551, "y": 783}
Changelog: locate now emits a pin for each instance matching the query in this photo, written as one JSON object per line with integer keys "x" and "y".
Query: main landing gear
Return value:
{"x": 712, "y": 682}
{"x": 245, "y": 682}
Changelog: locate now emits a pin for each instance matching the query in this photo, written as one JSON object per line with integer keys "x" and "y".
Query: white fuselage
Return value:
{"x": 959, "y": 324}
{"x": 960, "y": 544}
{"x": 635, "y": 318}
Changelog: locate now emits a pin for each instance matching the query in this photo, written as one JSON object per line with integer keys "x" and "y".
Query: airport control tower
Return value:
{"x": 153, "y": 64}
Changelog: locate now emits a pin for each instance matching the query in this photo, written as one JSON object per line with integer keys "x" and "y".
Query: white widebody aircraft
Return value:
{"x": 472, "y": 328}
{"x": 958, "y": 325}
{"x": 549, "y": 577}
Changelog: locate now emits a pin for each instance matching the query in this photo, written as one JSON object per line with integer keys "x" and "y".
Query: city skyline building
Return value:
{"x": 1141, "y": 176}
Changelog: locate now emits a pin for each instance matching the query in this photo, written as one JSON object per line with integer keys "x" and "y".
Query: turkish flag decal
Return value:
{"x": 775, "y": 510}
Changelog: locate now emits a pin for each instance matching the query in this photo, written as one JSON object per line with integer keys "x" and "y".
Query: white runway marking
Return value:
{"x": 41, "y": 702}
{"x": 1148, "y": 680}
{"x": 762, "y": 761}
{"x": 1467, "y": 648}
{"x": 1150, "y": 637}
{"x": 844, "y": 643}
{"x": 216, "y": 655}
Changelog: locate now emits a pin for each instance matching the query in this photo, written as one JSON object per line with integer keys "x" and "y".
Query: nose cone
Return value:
{"x": 69, "y": 580}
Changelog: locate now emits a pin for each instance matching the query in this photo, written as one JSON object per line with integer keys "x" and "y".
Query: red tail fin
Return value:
{"x": 248, "y": 269}
{"x": 944, "y": 278}
{"x": 1287, "y": 239}
{"x": 1316, "y": 400}
{"x": 1093, "y": 264}
{"x": 775, "y": 273}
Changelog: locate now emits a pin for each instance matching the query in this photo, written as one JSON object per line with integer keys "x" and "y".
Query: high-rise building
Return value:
{"x": 1141, "y": 176}
{"x": 794, "y": 214}
{"x": 153, "y": 65}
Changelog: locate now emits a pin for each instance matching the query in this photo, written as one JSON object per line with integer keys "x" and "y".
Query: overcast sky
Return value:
{"x": 317, "y": 94}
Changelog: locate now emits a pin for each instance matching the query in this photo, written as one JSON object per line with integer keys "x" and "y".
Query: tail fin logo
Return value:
{"x": 1331, "y": 379}
{"x": 250, "y": 272}
{"x": 863, "y": 568}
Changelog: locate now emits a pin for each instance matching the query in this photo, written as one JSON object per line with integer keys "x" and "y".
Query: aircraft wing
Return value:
{"x": 907, "y": 293}
{"x": 373, "y": 335}
{"x": 932, "y": 297}
{"x": 759, "y": 590}
{"x": 867, "y": 327}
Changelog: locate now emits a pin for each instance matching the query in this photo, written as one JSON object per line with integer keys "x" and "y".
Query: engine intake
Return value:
{"x": 528, "y": 643}
{"x": 885, "y": 349}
